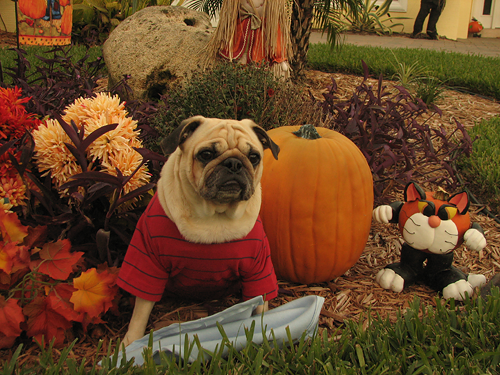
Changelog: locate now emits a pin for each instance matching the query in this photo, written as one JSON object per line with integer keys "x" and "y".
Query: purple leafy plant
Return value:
{"x": 57, "y": 81}
{"x": 399, "y": 145}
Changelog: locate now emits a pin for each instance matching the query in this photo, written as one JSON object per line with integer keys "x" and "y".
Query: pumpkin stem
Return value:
{"x": 307, "y": 132}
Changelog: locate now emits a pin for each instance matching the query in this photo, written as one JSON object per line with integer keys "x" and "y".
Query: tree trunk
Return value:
{"x": 301, "y": 25}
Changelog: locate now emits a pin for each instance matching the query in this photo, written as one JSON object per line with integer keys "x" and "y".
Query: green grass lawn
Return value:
{"x": 475, "y": 74}
{"x": 448, "y": 339}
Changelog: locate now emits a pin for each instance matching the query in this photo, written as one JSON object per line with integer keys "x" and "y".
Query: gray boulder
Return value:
{"x": 157, "y": 47}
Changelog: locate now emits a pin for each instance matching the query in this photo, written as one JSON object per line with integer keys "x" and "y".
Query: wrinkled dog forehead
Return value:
{"x": 228, "y": 134}
{"x": 232, "y": 133}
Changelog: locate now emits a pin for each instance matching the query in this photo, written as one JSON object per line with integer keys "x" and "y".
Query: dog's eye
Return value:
{"x": 206, "y": 155}
{"x": 254, "y": 158}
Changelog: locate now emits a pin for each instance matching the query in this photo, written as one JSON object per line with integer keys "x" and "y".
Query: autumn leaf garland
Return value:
{"x": 41, "y": 300}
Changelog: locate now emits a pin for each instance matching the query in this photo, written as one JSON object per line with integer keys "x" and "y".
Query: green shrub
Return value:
{"x": 430, "y": 89}
{"x": 418, "y": 81}
{"x": 235, "y": 91}
{"x": 408, "y": 74}
{"x": 482, "y": 168}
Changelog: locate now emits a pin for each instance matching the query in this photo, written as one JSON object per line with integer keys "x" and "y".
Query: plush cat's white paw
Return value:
{"x": 382, "y": 214}
{"x": 388, "y": 279}
{"x": 457, "y": 290}
{"x": 474, "y": 239}
{"x": 476, "y": 281}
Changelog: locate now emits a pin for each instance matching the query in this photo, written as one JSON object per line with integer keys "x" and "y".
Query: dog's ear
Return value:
{"x": 179, "y": 135}
{"x": 266, "y": 141}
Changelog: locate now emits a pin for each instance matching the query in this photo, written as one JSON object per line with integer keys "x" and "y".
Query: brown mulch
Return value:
{"x": 355, "y": 295}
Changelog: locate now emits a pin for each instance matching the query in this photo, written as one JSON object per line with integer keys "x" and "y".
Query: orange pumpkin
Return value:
{"x": 33, "y": 8}
{"x": 475, "y": 27}
{"x": 67, "y": 20}
{"x": 317, "y": 202}
{"x": 64, "y": 3}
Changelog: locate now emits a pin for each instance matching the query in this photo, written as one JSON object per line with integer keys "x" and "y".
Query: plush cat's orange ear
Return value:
{"x": 461, "y": 200}
{"x": 413, "y": 192}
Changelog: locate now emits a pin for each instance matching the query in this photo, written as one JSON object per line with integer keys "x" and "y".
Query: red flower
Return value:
{"x": 270, "y": 92}
{"x": 14, "y": 119}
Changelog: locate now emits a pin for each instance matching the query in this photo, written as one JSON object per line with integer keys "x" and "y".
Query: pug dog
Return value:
{"x": 201, "y": 235}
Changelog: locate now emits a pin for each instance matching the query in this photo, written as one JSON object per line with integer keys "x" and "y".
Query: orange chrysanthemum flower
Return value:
{"x": 52, "y": 155}
{"x": 111, "y": 150}
{"x": 114, "y": 141}
{"x": 13, "y": 189}
{"x": 127, "y": 162}
{"x": 93, "y": 108}
{"x": 5, "y": 205}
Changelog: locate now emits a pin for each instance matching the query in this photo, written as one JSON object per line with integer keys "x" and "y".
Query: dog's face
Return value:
{"x": 221, "y": 159}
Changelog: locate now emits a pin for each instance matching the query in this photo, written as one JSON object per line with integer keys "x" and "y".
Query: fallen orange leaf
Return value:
{"x": 13, "y": 257}
{"x": 11, "y": 228}
{"x": 20, "y": 259}
{"x": 36, "y": 236}
{"x": 11, "y": 317}
{"x": 113, "y": 270}
{"x": 87, "y": 320}
{"x": 95, "y": 292}
{"x": 59, "y": 299}
{"x": 7, "y": 281}
{"x": 6, "y": 258}
{"x": 56, "y": 260}
{"x": 44, "y": 321}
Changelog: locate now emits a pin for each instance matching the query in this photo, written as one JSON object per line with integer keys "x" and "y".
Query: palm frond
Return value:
{"x": 328, "y": 16}
{"x": 211, "y": 7}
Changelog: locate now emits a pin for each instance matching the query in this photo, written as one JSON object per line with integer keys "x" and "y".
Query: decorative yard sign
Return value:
{"x": 45, "y": 22}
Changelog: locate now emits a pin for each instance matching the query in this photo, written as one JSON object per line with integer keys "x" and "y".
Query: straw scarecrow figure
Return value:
{"x": 253, "y": 31}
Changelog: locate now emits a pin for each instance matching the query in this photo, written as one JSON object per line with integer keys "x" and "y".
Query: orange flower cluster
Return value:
{"x": 15, "y": 121}
{"x": 112, "y": 150}
{"x": 37, "y": 296}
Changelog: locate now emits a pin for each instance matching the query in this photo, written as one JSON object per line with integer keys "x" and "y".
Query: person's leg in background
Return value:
{"x": 425, "y": 8}
{"x": 435, "y": 13}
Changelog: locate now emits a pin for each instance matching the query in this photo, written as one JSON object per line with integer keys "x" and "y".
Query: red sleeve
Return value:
{"x": 262, "y": 279}
{"x": 141, "y": 273}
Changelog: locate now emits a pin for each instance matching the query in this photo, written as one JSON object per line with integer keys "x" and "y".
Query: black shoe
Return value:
{"x": 432, "y": 36}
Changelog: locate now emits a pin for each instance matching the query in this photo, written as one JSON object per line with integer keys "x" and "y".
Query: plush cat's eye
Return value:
{"x": 447, "y": 212}
{"x": 427, "y": 208}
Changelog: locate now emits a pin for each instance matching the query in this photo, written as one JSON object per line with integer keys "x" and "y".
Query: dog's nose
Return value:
{"x": 233, "y": 164}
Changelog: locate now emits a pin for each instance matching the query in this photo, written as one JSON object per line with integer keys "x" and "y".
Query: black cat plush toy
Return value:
{"x": 432, "y": 225}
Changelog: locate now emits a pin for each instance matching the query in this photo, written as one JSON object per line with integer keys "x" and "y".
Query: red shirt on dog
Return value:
{"x": 159, "y": 259}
